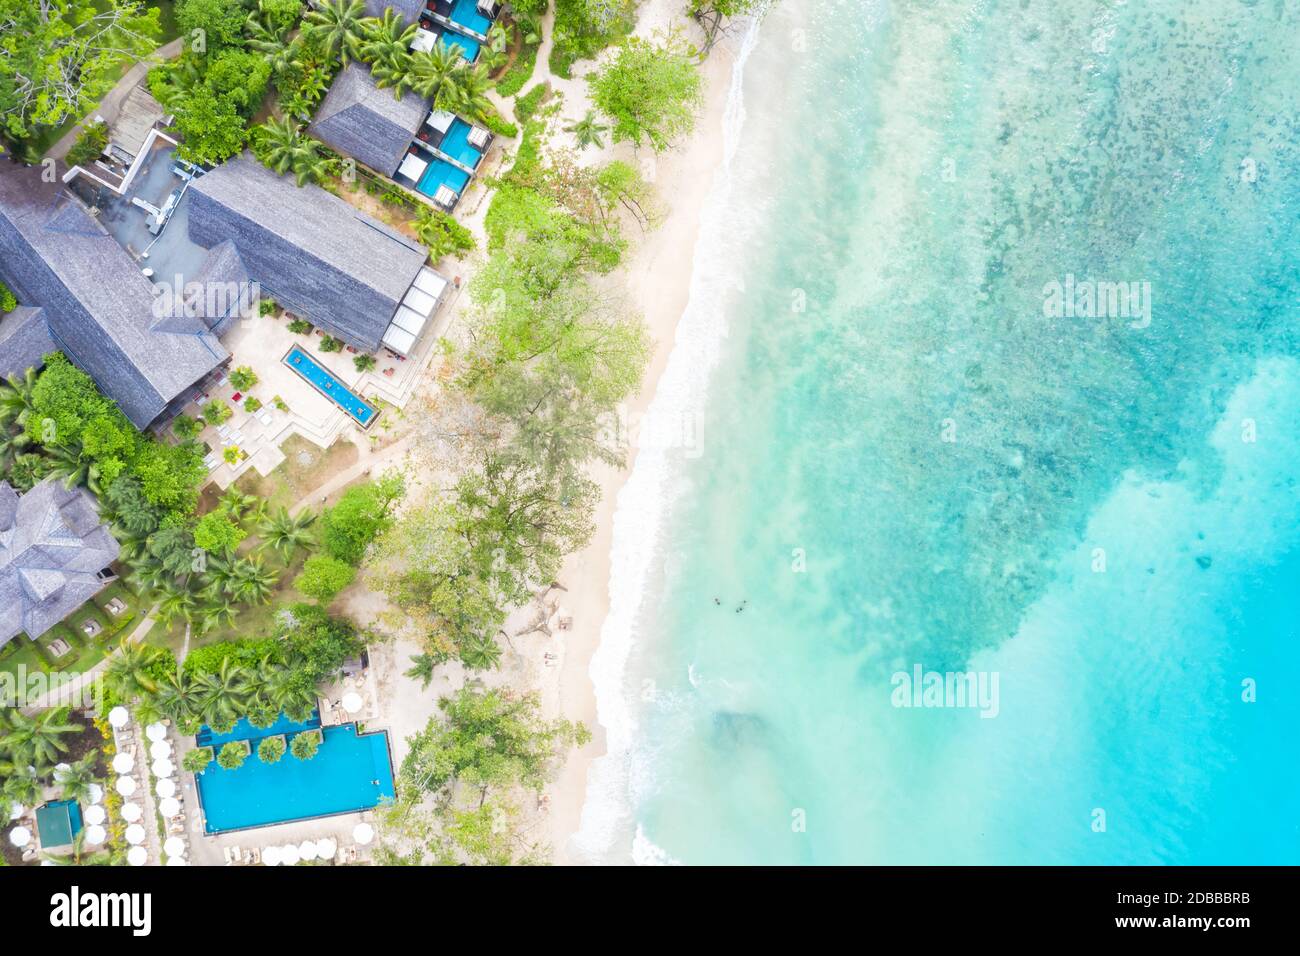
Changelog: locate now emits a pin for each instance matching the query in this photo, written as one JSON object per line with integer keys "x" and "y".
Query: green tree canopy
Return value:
{"x": 650, "y": 92}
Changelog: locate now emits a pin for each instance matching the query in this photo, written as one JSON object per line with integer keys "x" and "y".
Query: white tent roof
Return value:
{"x": 398, "y": 340}
{"x": 424, "y": 40}
{"x": 412, "y": 166}
{"x": 432, "y": 283}
{"x": 441, "y": 120}
{"x": 417, "y": 300}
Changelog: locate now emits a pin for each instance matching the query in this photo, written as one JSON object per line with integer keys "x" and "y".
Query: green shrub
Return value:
{"x": 330, "y": 344}
{"x": 8, "y": 301}
{"x": 252, "y": 404}
{"x": 266, "y": 307}
{"x": 527, "y": 105}
{"x": 364, "y": 363}
{"x": 513, "y": 80}
{"x": 300, "y": 327}
{"x": 323, "y": 577}
{"x": 500, "y": 126}
{"x": 442, "y": 234}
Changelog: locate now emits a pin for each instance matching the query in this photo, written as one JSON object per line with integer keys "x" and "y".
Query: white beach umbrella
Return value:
{"x": 174, "y": 846}
{"x": 271, "y": 856}
{"x": 155, "y": 731}
{"x": 307, "y": 850}
{"x": 165, "y": 788}
{"x": 351, "y": 702}
{"x": 135, "y": 834}
{"x": 289, "y": 855}
{"x": 131, "y": 812}
{"x": 327, "y": 847}
{"x": 20, "y": 836}
{"x": 159, "y": 749}
{"x": 94, "y": 793}
{"x": 16, "y": 811}
{"x": 137, "y": 856}
{"x": 118, "y": 717}
{"x": 176, "y": 861}
{"x": 125, "y": 786}
{"x": 363, "y": 833}
{"x": 169, "y": 806}
{"x": 123, "y": 763}
{"x": 94, "y": 815}
{"x": 163, "y": 767}
{"x": 95, "y": 834}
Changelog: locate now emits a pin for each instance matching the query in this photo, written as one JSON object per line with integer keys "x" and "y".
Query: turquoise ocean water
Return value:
{"x": 872, "y": 439}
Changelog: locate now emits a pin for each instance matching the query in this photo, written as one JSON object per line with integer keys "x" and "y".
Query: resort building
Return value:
{"x": 137, "y": 124}
{"x": 432, "y": 152}
{"x": 316, "y": 255}
{"x": 82, "y": 294}
{"x": 55, "y": 555}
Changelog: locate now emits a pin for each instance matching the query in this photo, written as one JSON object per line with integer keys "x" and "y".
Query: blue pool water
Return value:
{"x": 467, "y": 46}
{"x": 350, "y": 772}
{"x": 456, "y": 145}
{"x": 465, "y": 12}
{"x": 442, "y": 173}
{"x": 243, "y": 730}
{"x": 330, "y": 387}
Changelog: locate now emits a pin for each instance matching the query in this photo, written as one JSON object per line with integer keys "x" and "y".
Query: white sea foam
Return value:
{"x": 607, "y": 831}
{"x": 646, "y": 853}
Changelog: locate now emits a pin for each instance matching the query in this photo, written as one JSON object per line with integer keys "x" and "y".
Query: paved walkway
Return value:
{"x": 111, "y": 105}
{"x": 369, "y": 462}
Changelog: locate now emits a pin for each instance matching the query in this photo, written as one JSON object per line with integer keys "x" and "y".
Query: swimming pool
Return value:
{"x": 456, "y": 144}
{"x": 350, "y": 772}
{"x": 440, "y": 172}
{"x": 324, "y": 382}
{"x": 467, "y": 46}
{"x": 465, "y": 12}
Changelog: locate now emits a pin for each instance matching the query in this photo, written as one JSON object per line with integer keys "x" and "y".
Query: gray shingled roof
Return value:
{"x": 52, "y": 546}
{"x": 312, "y": 252}
{"x": 409, "y": 9}
{"x": 98, "y": 305}
{"x": 369, "y": 124}
{"x": 24, "y": 340}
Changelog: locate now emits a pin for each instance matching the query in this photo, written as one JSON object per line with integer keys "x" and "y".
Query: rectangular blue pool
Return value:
{"x": 467, "y": 47}
{"x": 465, "y": 12}
{"x": 350, "y": 772}
{"x": 324, "y": 382}
{"x": 441, "y": 173}
{"x": 456, "y": 144}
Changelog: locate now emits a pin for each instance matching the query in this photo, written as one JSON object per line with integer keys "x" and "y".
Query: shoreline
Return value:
{"x": 657, "y": 281}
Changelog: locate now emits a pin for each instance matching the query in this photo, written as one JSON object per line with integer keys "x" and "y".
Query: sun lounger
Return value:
{"x": 445, "y": 196}
{"x": 478, "y": 137}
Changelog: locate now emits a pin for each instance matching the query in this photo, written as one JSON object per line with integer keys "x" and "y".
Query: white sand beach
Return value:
{"x": 658, "y": 279}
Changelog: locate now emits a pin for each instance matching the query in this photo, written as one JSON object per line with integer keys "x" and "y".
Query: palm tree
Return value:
{"x": 288, "y": 688}
{"x": 38, "y": 739}
{"x": 282, "y": 147}
{"x": 242, "y": 506}
{"x": 466, "y": 93}
{"x": 11, "y": 446}
{"x": 177, "y": 696}
{"x": 284, "y": 533}
{"x": 76, "y": 780}
{"x": 23, "y": 785}
{"x": 220, "y": 694}
{"x": 394, "y": 73}
{"x": 251, "y": 582}
{"x": 429, "y": 70}
{"x": 338, "y": 26}
{"x": 128, "y": 674}
{"x": 16, "y": 402}
{"x": 480, "y": 653}
{"x": 176, "y": 600}
{"x": 67, "y": 462}
{"x": 494, "y": 54}
{"x": 588, "y": 131}
{"x": 388, "y": 39}
{"x": 218, "y": 612}
{"x": 421, "y": 669}
{"x": 78, "y": 856}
